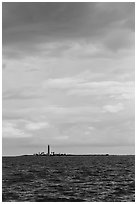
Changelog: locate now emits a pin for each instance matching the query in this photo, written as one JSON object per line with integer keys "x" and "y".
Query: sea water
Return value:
{"x": 68, "y": 178}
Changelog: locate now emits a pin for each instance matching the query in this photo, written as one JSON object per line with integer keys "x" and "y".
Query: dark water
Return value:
{"x": 69, "y": 178}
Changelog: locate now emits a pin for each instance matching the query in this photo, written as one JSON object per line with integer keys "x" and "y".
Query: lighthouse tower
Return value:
{"x": 48, "y": 150}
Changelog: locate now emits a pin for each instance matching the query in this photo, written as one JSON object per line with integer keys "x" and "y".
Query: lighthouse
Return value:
{"x": 48, "y": 150}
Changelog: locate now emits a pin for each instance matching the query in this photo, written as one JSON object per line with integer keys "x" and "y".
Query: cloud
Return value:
{"x": 78, "y": 85}
{"x": 23, "y": 92}
{"x": 63, "y": 137}
{"x": 37, "y": 125}
{"x": 61, "y": 83}
{"x": 26, "y": 26}
{"x": 78, "y": 110}
{"x": 82, "y": 86}
{"x": 119, "y": 39}
{"x": 112, "y": 89}
{"x": 11, "y": 131}
{"x": 113, "y": 108}
{"x": 90, "y": 128}
{"x": 3, "y": 65}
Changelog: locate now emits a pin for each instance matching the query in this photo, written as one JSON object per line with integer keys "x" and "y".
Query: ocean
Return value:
{"x": 68, "y": 178}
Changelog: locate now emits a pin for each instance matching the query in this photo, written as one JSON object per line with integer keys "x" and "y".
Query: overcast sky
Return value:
{"x": 68, "y": 77}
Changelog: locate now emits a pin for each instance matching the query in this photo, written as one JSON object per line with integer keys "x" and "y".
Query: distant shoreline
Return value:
{"x": 72, "y": 155}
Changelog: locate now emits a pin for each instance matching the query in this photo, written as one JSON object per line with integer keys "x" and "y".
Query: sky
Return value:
{"x": 68, "y": 77}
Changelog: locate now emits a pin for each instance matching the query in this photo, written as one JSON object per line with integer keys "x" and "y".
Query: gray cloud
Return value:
{"x": 26, "y": 25}
{"x": 3, "y": 65}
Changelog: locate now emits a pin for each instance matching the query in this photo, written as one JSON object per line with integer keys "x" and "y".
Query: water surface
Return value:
{"x": 68, "y": 178}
